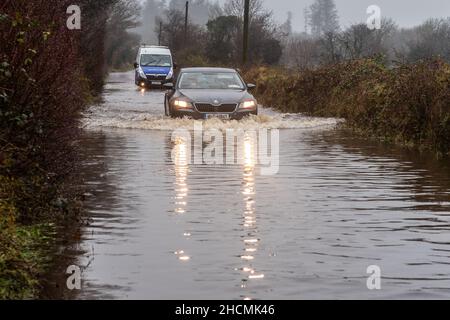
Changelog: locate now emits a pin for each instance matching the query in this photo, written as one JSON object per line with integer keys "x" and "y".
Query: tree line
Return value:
{"x": 325, "y": 42}
{"x": 215, "y": 35}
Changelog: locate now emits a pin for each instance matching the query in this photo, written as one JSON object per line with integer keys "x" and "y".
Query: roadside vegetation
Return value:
{"x": 407, "y": 104}
{"x": 48, "y": 74}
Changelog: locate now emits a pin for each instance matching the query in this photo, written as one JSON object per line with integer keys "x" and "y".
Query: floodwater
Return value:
{"x": 164, "y": 227}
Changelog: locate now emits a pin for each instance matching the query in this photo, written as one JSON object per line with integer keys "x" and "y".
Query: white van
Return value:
{"x": 154, "y": 66}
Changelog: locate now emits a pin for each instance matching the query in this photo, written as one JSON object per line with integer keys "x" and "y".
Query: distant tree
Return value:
{"x": 272, "y": 51}
{"x": 236, "y": 8}
{"x": 221, "y": 32}
{"x": 92, "y": 41}
{"x": 431, "y": 39}
{"x": 306, "y": 17}
{"x": 323, "y": 17}
{"x": 358, "y": 41}
{"x": 330, "y": 49}
{"x": 173, "y": 29}
{"x": 301, "y": 52}
{"x": 121, "y": 44}
{"x": 264, "y": 43}
{"x": 286, "y": 28}
{"x": 173, "y": 36}
{"x": 215, "y": 10}
{"x": 264, "y": 40}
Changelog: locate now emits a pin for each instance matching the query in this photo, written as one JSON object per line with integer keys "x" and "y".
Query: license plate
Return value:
{"x": 217, "y": 115}
{"x": 156, "y": 83}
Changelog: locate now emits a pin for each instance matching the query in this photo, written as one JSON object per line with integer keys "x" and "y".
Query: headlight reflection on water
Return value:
{"x": 180, "y": 157}
{"x": 249, "y": 217}
{"x": 181, "y": 162}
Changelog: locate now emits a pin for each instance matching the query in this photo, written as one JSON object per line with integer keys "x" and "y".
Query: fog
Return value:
{"x": 406, "y": 13}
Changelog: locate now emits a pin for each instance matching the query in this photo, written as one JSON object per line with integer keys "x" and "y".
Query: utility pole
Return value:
{"x": 245, "y": 35}
{"x": 186, "y": 23}
{"x": 160, "y": 33}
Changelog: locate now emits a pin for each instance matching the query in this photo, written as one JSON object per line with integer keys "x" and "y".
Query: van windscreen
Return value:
{"x": 156, "y": 60}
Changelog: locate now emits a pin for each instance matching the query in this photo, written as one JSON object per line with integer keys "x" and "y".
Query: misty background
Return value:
{"x": 300, "y": 34}
{"x": 406, "y": 13}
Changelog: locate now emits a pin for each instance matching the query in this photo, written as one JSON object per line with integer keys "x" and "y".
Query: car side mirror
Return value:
{"x": 251, "y": 86}
{"x": 168, "y": 85}
{"x": 136, "y": 65}
{"x": 175, "y": 66}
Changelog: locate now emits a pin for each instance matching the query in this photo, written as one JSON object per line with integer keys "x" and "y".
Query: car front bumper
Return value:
{"x": 149, "y": 82}
{"x": 194, "y": 114}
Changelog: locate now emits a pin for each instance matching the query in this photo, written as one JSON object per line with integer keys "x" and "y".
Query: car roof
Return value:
{"x": 208, "y": 69}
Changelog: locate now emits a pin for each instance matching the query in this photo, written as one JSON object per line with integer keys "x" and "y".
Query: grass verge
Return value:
{"x": 24, "y": 258}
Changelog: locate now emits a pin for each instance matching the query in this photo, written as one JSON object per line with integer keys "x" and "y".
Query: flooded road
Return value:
{"x": 164, "y": 229}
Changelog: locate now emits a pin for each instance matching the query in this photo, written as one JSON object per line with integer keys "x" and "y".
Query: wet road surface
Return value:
{"x": 164, "y": 228}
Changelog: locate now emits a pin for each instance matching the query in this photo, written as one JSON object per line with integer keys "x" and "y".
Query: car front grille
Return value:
{"x": 206, "y": 107}
{"x": 156, "y": 77}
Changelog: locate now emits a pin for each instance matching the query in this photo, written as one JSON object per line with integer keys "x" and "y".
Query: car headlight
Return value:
{"x": 182, "y": 104}
{"x": 170, "y": 75}
{"x": 141, "y": 73}
{"x": 249, "y": 104}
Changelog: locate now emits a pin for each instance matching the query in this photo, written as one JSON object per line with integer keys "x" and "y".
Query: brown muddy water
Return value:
{"x": 168, "y": 229}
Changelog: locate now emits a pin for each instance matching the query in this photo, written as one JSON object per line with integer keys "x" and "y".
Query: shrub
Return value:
{"x": 41, "y": 96}
{"x": 408, "y": 103}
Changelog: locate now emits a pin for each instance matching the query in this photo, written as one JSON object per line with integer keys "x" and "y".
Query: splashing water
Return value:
{"x": 128, "y": 107}
{"x": 101, "y": 116}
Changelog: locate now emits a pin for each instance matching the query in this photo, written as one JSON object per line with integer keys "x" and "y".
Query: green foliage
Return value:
{"x": 220, "y": 44}
{"x": 23, "y": 258}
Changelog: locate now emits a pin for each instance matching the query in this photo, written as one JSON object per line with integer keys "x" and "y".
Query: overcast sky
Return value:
{"x": 406, "y": 13}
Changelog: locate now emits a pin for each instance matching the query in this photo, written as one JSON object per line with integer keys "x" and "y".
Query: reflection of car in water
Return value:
{"x": 202, "y": 93}
{"x": 154, "y": 66}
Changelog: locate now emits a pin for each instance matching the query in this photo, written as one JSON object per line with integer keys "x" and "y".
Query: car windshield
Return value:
{"x": 210, "y": 80}
{"x": 156, "y": 60}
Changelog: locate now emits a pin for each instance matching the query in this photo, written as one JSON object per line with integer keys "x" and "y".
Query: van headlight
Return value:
{"x": 141, "y": 73}
{"x": 170, "y": 74}
{"x": 249, "y": 104}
